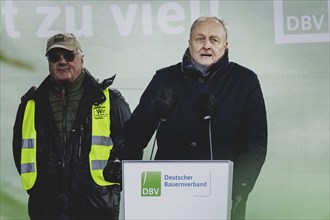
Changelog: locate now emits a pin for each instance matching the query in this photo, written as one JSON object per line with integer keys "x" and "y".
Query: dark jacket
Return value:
{"x": 238, "y": 118}
{"x": 64, "y": 188}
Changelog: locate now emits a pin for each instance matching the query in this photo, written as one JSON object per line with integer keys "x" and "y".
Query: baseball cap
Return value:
{"x": 66, "y": 41}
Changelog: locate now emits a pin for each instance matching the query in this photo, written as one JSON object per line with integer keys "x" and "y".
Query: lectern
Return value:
{"x": 177, "y": 189}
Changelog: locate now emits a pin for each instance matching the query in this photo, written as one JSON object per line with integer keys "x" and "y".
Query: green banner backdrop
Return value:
{"x": 285, "y": 42}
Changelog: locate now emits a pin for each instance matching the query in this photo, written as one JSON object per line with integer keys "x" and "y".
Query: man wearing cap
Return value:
{"x": 64, "y": 133}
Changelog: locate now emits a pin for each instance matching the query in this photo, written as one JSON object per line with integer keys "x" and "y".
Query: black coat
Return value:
{"x": 64, "y": 188}
{"x": 238, "y": 118}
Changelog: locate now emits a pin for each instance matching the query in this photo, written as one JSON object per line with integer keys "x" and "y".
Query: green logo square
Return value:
{"x": 150, "y": 183}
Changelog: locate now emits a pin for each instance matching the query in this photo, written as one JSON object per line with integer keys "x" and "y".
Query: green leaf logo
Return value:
{"x": 151, "y": 183}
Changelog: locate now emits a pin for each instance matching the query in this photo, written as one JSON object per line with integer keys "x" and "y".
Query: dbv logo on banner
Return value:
{"x": 305, "y": 22}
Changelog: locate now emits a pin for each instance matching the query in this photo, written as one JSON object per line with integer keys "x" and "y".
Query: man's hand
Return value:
{"x": 113, "y": 172}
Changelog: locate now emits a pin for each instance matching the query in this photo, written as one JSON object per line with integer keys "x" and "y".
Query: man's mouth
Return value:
{"x": 206, "y": 55}
{"x": 61, "y": 70}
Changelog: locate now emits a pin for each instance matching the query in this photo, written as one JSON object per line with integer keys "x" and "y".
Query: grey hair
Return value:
{"x": 204, "y": 18}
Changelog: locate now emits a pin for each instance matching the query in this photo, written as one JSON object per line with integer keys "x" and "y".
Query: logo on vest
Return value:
{"x": 100, "y": 112}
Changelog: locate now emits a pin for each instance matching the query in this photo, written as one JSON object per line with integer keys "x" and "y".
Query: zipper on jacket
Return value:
{"x": 63, "y": 98}
{"x": 81, "y": 134}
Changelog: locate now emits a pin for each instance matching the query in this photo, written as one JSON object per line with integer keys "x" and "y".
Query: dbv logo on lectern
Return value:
{"x": 151, "y": 183}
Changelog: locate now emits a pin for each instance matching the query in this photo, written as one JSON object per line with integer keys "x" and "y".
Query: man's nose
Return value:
{"x": 207, "y": 44}
{"x": 62, "y": 59}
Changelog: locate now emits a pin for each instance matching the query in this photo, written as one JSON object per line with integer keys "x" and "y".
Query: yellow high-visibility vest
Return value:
{"x": 101, "y": 140}
{"x": 29, "y": 147}
{"x": 100, "y": 147}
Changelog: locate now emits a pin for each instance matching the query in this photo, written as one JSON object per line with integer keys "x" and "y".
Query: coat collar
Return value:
{"x": 189, "y": 69}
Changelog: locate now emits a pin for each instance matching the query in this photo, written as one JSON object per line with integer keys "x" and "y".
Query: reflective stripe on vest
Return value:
{"x": 101, "y": 141}
{"x": 29, "y": 147}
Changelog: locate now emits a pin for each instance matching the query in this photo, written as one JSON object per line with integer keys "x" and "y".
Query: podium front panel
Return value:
{"x": 177, "y": 189}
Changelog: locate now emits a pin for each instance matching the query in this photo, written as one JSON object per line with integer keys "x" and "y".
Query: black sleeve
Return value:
{"x": 17, "y": 136}
{"x": 139, "y": 129}
{"x": 17, "y": 130}
{"x": 119, "y": 113}
{"x": 253, "y": 142}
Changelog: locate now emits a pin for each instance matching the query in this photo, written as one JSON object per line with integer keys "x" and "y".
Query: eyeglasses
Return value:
{"x": 55, "y": 57}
